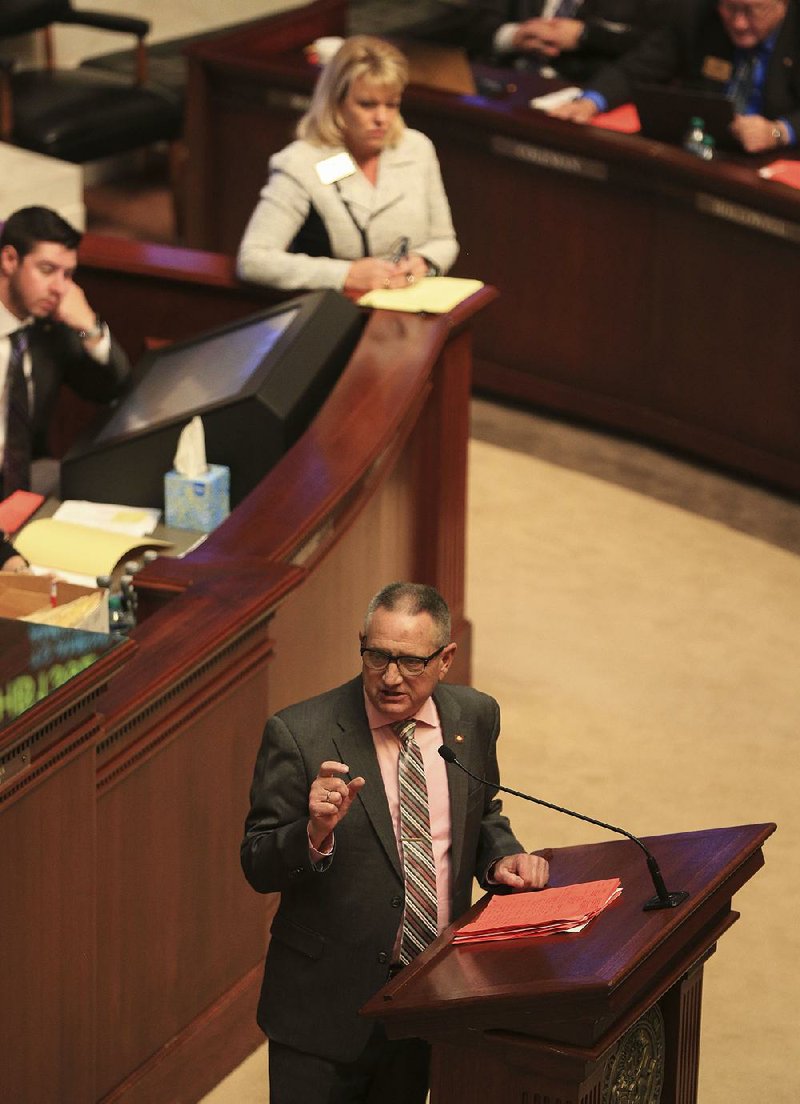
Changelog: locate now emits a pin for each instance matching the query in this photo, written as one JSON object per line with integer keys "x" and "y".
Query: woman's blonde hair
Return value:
{"x": 361, "y": 56}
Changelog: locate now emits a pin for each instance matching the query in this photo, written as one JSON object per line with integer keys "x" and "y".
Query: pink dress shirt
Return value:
{"x": 428, "y": 736}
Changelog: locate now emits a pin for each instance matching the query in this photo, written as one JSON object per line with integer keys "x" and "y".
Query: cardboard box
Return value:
{"x": 76, "y": 607}
{"x": 200, "y": 502}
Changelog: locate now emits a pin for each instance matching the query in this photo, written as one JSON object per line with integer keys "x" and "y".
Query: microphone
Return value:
{"x": 663, "y": 898}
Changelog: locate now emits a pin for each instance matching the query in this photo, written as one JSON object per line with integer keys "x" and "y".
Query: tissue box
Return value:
{"x": 197, "y": 502}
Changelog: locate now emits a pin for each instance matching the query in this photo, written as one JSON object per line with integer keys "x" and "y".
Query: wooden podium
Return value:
{"x": 607, "y": 1016}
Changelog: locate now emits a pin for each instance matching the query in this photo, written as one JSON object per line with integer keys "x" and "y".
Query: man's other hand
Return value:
{"x": 521, "y": 871}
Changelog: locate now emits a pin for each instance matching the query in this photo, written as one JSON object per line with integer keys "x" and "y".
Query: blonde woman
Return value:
{"x": 357, "y": 201}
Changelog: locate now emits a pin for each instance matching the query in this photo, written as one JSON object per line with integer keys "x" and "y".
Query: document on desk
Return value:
{"x": 78, "y": 550}
{"x": 551, "y": 100}
{"x": 433, "y": 295}
{"x": 540, "y": 912}
{"x": 136, "y": 521}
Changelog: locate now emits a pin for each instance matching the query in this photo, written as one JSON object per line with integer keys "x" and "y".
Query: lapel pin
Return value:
{"x": 459, "y": 739}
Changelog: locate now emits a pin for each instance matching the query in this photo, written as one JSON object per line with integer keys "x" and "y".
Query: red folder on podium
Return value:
{"x": 541, "y": 912}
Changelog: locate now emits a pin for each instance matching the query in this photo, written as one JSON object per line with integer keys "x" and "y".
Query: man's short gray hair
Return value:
{"x": 413, "y": 598}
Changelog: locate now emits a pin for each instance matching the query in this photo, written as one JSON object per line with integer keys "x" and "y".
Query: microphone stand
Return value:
{"x": 663, "y": 898}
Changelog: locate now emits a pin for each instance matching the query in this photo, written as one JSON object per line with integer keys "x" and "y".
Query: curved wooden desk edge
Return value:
{"x": 371, "y": 410}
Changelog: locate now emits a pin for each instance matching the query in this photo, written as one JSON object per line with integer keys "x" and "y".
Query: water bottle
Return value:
{"x": 116, "y": 615}
{"x": 707, "y": 148}
{"x": 122, "y": 608}
{"x": 693, "y": 139}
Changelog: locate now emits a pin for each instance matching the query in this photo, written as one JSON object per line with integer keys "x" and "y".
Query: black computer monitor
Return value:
{"x": 256, "y": 384}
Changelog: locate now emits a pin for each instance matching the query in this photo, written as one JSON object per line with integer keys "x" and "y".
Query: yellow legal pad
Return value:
{"x": 433, "y": 295}
{"x": 79, "y": 549}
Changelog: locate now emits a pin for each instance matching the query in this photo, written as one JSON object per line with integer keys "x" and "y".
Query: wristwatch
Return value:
{"x": 95, "y": 331}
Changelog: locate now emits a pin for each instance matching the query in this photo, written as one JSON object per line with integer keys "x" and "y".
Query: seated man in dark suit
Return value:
{"x": 570, "y": 38}
{"x": 747, "y": 49}
{"x": 573, "y": 38}
{"x": 48, "y": 335}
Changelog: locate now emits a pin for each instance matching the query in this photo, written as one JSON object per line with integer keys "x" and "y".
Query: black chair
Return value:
{"x": 167, "y": 62}
{"x": 81, "y": 115}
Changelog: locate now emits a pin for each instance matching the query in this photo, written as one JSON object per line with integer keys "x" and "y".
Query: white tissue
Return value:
{"x": 190, "y": 456}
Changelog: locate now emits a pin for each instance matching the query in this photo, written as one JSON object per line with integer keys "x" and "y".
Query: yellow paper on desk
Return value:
{"x": 78, "y": 549}
{"x": 433, "y": 295}
{"x": 90, "y": 612}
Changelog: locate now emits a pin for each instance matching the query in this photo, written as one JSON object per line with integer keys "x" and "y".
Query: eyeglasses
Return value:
{"x": 378, "y": 660}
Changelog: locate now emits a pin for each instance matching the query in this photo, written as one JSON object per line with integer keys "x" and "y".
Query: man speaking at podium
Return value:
{"x": 373, "y": 846}
{"x": 48, "y": 335}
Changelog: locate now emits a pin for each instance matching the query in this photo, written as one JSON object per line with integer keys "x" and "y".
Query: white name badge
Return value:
{"x": 335, "y": 168}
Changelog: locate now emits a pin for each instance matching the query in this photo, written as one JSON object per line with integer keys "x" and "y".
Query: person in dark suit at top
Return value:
{"x": 571, "y": 38}
{"x": 747, "y": 49}
{"x": 49, "y": 335}
{"x": 328, "y": 829}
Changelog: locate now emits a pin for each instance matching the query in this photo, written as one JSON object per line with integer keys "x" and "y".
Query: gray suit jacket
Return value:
{"x": 408, "y": 200}
{"x": 335, "y": 929}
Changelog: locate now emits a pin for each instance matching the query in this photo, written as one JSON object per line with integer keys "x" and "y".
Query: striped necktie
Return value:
{"x": 420, "y": 915}
{"x": 17, "y": 452}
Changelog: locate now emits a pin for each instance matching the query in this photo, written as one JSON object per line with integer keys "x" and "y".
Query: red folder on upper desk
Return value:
{"x": 624, "y": 119}
{"x": 17, "y": 508}
{"x": 785, "y": 172}
{"x": 540, "y": 912}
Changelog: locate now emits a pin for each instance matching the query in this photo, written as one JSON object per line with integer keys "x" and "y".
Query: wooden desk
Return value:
{"x": 640, "y": 288}
{"x": 156, "y": 1000}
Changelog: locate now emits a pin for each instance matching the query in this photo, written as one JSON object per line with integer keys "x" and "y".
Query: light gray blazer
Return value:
{"x": 408, "y": 200}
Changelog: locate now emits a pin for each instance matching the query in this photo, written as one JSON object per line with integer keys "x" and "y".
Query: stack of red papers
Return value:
{"x": 541, "y": 912}
{"x": 625, "y": 120}
{"x": 17, "y": 508}
{"x": 787, "y": 172}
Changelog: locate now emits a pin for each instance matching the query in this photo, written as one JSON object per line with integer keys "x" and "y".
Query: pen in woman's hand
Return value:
{"x": 400, "y": 251}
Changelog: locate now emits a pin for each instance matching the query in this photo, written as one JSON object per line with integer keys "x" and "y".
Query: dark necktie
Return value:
{"x": 742, "y": 84}
{"x": 17, "y": 453}
{"x": 420, "y": 926}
